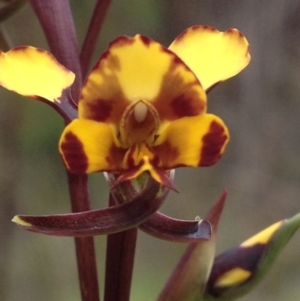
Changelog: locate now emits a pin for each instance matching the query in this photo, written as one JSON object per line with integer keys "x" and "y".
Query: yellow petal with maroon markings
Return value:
{"x": 34, "y": 72}
{"x": 214, "y": 56}
{"x": 88, "y": 146}
{"x": 192, "y": 141}
{"x": 138, "y": 68}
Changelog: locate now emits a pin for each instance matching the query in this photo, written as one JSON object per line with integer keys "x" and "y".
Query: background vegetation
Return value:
{"x": 261, "y": 168}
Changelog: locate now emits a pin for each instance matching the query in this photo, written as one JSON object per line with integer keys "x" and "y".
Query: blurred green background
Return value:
{"x": 260, "y": 169}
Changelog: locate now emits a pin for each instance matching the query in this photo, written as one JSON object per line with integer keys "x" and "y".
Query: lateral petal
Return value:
{"x": 87, "y": 146}
{"x": 139, "y": 68}
{"x": 34, "y": 72}
{"x": 192, "y": 141}
{"x": 212, "y": 55}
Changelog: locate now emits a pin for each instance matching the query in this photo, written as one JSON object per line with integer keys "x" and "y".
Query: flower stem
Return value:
{"x": 120, "y": 252}
{"x": 95, "y": 26}
{"x": 56, "y": 19}
{"x": 85, "y": 250}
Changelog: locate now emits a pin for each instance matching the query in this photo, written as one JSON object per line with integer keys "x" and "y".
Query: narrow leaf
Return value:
{"x": 191, "y": 274}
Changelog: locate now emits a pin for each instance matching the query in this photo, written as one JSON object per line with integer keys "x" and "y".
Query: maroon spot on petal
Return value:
{"x": 206, "y": 27}
{"x": 121, "y": 41}
{"x": 130, "y": 157}
{"x": 127, "y": 175}
{"x": 213, "y": 142}
{"x": 183, "y": 106}
{"x": 104, "y": 55}
{"x": 115, "y": 158}
{"x": 166, "y": 154}
{"x": 178, "y": 60}
{"x": 145, "y": 40}
{"x": 73, "y": 154}
{"x": 101, "y": 109}
{"x": 234, "y": 31}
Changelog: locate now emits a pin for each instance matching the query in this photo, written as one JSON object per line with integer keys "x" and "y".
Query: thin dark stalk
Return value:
{"x": 120, "y": 252}
{"x": 95, "y": 26}
{"x": 85, "y": 250}
{"x": 57, "y": 22}
{"x": 56, "y": 19}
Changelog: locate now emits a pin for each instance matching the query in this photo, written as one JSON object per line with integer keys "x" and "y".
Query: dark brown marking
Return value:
{"x": 183, "y": 106}
{"x": 100, "y": 109}
{"x": 213, "y": 142}
{"x": 166, "y": 154}
{"x": 120, "y": 41}
{"x": 174, "y": 90}
{"x": 115, "y": 158}
{"x": 146, "y": 41}
{"x": 130, "y": 157}
{"x": 104, "y": 102}
{"x": 74, "y": 155}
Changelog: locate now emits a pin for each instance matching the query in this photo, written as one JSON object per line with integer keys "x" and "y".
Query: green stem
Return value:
{"x": 85, "y": 250}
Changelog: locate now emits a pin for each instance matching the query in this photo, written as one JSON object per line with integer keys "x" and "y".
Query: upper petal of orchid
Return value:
{"x": 192, "y": 141}
{"x": 88, "y": 146}
{"x": 34, "y": 72}
{"x": 139, "y": 68}
{"x": 213, "y": 56}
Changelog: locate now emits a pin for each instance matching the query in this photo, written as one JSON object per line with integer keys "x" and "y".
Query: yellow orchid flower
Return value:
{"x": 143, "y": 106}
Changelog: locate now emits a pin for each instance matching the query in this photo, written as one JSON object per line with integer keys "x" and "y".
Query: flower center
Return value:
{"x": 140, "y": 111}
{"x": 139, "y": 124}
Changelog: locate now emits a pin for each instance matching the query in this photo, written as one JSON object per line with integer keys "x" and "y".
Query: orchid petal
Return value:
{"x": 139, "y": 68}
{"x": 34, "y": 72}
{"x": 212, "y": 55}
{"x": 97, "y": 222}
{"x": 88, "y": 146}
{"x": 170, "y": 229}
{"x": 192, "y": 141}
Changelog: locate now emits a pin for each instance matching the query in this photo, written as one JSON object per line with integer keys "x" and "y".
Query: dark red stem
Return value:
{"x": 85, "y": 250}
{"x": 56, "y": 19}
{"x": 120, "y": 252}
{"x": 57, "y": 22}
{"x": 95, "y": 26}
